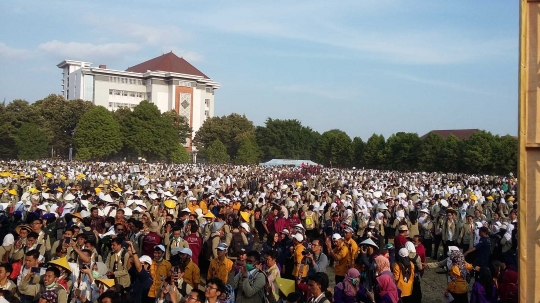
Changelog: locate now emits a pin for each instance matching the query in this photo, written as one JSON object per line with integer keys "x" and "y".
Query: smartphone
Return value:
{"x": 36, "y": 270}
{"x": 67, "y": 240}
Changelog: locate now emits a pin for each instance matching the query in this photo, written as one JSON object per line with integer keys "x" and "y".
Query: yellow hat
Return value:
{"x": 34, "y": 190}
{"x": 106, "y": 182}
{"x": 285, "y": 285}
{"x": 5, "y": 174}
{"x": 209, "y": 215}
{"x": 12, "y": 192}
{"x": 511, "y": 198}
{"x": 25, "y": 227}
{"x": 98, "y": 190}
{"x": 245, "y": 216}
{"x": 447, "y": 195}
{"x": 63, "y": 177}
{"x": 108, "y": 282}
{"x": 21, "y": 174}
{"x": 62, "y": 262}
{"x": 170, "y": 189}
{"x": 59, "y": 189}
{"x": 48, "y": 175}
{"x": 1, "y": 191}
{"x": 490, "y": 198}
{"x": 170, "y": 204}
{"x": 474, "y": 198}
{"x": 299, "y": 184}
{"x": 78, "y": 215}
{"x": 100, "y": 186}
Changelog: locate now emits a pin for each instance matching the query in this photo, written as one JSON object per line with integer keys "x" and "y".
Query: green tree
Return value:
{"x": 248, "y": 152}
{"x": 374, "y": 153}
{"x": 180, "y": 124}
{"x": 216, "y": 153}
{"x": 149, "y": 134}
{"x": 32, "y": 144}
{"x": 287, "y": 139}
{"x": 83, "y": 154}
{"x": 505, "y": 155}
{"x": 60, "y": 118}
{"x": 180, "y": 155}
{"x": 450, "y": 154}
{"x": 358, "y": 147}
{"x": 13, "y": 116}
{"x": 228, "y": 129}
{"x": 477, "y": 152}
{"x": 335, "y": 148}
{"x": 122, "y": 116}
{"x": 98, "y": 133}
{"x": 401, "y": 151}
{"x": 429, "y": 152}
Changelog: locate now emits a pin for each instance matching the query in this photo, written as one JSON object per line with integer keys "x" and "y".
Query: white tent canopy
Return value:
{"x": 287, "y": 162}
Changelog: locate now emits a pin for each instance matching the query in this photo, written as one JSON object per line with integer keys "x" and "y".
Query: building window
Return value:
{"x": 207, "y": 102}
{"x": 124, "y": 93}
{"x": 143, "y": 82}
{"x": 117, "y": 92}
{"x": 111, "y": 91}
{"x": 209, "y": 90}
{"x": 206, "y": 113}
{"x": 149, "y": 97}
{"x": 131, "y": 94}
{"x": 139, "y": 82}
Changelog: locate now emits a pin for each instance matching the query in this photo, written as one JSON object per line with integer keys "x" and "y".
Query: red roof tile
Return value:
{"x": 459, "y": 133}
{"x": 168, "y": 62}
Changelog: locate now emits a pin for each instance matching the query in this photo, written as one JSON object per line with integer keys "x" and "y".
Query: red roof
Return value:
{"x": 459, "y": 133}
{"x": 168, "y": 62}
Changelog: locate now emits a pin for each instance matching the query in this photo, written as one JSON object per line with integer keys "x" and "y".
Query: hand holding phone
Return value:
{"x": 36, "y": 270}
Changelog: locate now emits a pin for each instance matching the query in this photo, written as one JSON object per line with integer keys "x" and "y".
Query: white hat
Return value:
{"x": 298, "y": 237}
{"x": 444, "y": 203}
{"x": 336, "y": 237}
{"x": 425, "y": 210}
{"x": 69, "y": 197}
{"x": 403, "y": 252}
{"x": 186, "y": 251}
{"x": 145, "y": 258}
{"x": 451, "y": 248}
{"x": 245, "y": 226}
{"x": 300, "y": 226}
{"x": 106, "y": 198}
{"x": 369, "y": 242}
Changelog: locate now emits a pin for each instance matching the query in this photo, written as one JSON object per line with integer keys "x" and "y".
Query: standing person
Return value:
{"x": 404, "y": 275}
{"x": 159, "y": 270}
{"x": 483, "y": 248}
{"x": 118, "y": 263}
{"x": 348, "y": 290}
{"x": 192, "y": 273}
{"x": 272, "y": 272}
{"x": 450, "y": 229}
{"x": 141, "y": 280}
{"x": 458, "y": 270}
{"x": 366, "y": 263}
{"x": 250, "y": 281}
{"x": 484, "y": 289}
{"x": 151, "y": 239}
{"x": 221, "y": 266}
{"x": 317, "y": 285}
{"x": 213, "y": 290}
{"x": 426, "y": 231}
{"x": 341, "y": 257}
{"x": 437, "y": 237}
{"x": 466, "y": 236}
{"x": 195, "y": 242}
{"x": 300, "y": 269}
{"x": 318, "y": 260}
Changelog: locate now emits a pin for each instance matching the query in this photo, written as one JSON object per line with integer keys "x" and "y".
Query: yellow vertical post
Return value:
{"x": 529, "y": 152}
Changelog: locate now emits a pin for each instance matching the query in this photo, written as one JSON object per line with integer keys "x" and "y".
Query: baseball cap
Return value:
{"x": 186, "y": 251}
{"x": 285, "y": 231}
{"x": 403, "y": 252}
{"x": 336, "y": 237}
{"x": 222, "y": 246}
{"x": 245, "y": 226}
{"x": 349, "y": 230}
{"x": 160, "y": 247}
{"x": 403, "y": 227}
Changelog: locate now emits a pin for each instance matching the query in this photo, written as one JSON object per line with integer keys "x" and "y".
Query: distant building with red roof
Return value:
{"x": 459, "y": 133}
{"x": 168, "y": 81}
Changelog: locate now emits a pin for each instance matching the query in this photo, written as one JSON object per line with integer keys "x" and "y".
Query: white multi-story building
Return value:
{"x": 168, "y": 81}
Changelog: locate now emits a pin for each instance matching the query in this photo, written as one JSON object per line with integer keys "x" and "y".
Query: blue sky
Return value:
{"x": 360, "y": 66}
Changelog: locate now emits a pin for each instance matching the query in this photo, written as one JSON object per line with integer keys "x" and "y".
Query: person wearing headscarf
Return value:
{"x": 404, "y": 275}
{"x": 415, "y": 258}
{"x": 457, "y": 275}
{"x": 348, "y": 290}
{"x": 386, "y": 290}
{"x": 484, "y": 289}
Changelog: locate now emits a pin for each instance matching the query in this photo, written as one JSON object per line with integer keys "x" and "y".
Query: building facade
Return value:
{"x": 168, "y": 81}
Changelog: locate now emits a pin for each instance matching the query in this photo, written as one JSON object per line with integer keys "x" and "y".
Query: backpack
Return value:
{"x": 237, "y": 244}
{"x": 207, "y": 252}
{"x": 310, "y": 221}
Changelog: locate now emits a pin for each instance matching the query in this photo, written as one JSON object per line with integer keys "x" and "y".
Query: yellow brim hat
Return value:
{"x": 108, "y": 282}
{"x": 244, "y": 216}
{"x": 285, "y": 285}
{"x": 62, "y": 262}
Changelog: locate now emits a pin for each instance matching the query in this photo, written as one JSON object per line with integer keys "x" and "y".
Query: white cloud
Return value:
{"x": 316, "y": 22}
{"x": 440, "y": 83}
{"x": 87, "y": 51}
{"x": 316, "y": 91}
{"x": 16, "y": 54}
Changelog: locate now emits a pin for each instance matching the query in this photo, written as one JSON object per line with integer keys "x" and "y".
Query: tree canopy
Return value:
{"x": 216, "y": 153}
{"x": 31, "y": 142}
{"x": 98, "y": 133}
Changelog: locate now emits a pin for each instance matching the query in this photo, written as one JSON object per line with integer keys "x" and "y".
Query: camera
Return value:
{"x": 307, "y": 251}
{"x": 85, "y": 266}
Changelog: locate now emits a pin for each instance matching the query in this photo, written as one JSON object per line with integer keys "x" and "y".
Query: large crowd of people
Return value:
{"x": 124, "y": 232}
